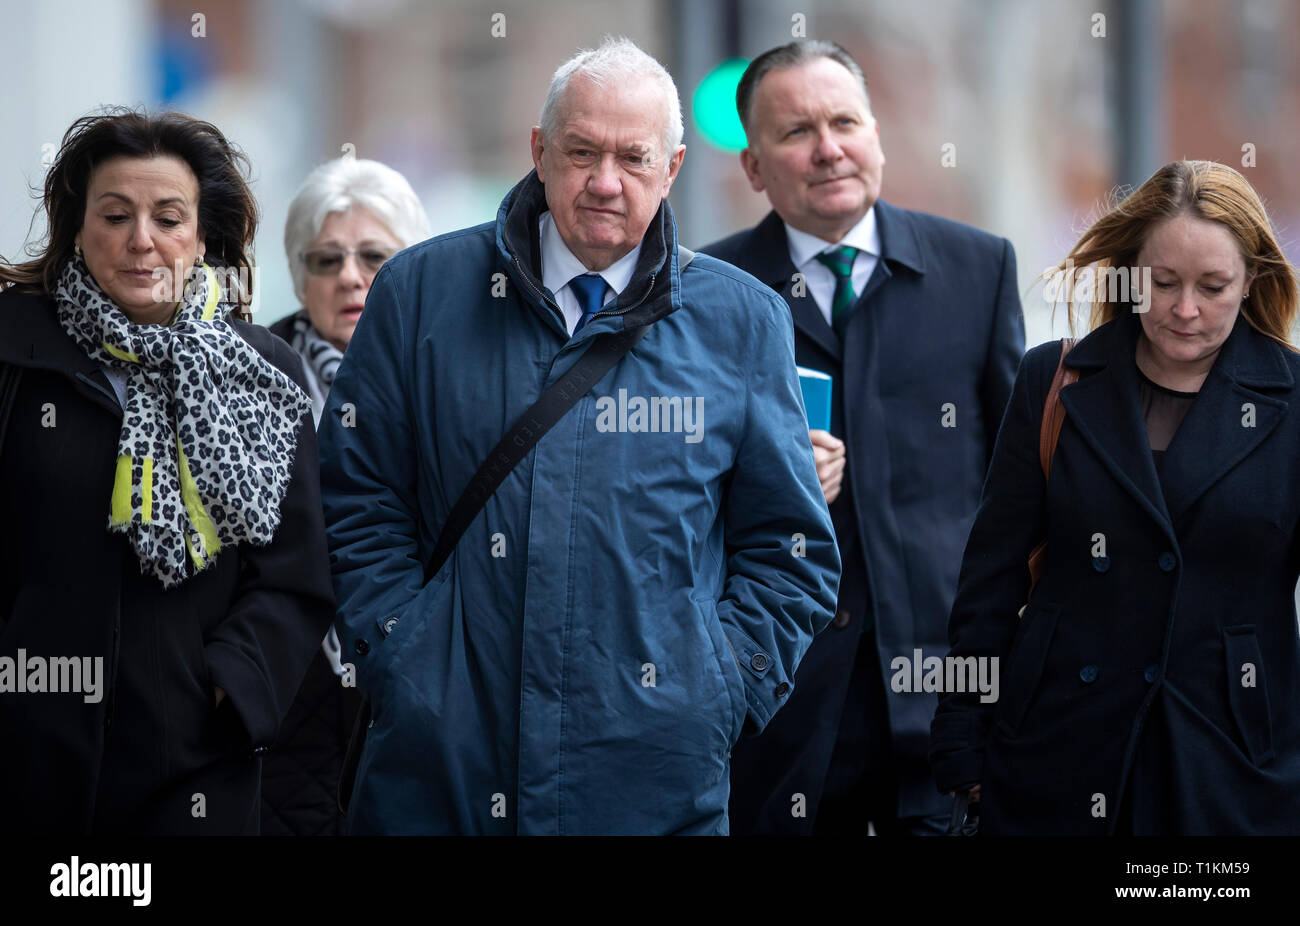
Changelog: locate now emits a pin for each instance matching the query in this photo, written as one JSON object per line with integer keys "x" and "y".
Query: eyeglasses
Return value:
{"x": 328, "y": 262}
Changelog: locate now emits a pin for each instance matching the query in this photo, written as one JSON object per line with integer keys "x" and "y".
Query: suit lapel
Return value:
{"x": 1104, "y": 408}
{"x": 770, "y": 262}
{"x": 1229, "y": 418}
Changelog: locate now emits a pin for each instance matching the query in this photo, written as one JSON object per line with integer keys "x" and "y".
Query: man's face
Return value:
{"x": 605, "y": 170}
{"x": 814, "y": 147}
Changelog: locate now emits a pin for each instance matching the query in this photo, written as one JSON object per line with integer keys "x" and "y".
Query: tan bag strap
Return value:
{"x": 1053, "y": 411}
{"x": 1049, "y": 433}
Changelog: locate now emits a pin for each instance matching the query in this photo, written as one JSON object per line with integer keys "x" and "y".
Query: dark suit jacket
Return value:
{"x": 929, "y": 355}
{"x": 1150, "y": 685}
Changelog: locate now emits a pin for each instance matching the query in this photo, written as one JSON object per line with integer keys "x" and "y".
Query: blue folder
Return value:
{"x": 816, "y": 387}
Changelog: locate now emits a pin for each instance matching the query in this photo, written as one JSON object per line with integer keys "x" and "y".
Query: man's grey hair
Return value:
{"x": 616, "y": 59}
{"x": 790, "y": 55}
{"x": 337, "y": 186}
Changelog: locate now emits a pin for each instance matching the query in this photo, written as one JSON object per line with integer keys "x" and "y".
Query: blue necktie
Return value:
{"x": 590, "y": 290}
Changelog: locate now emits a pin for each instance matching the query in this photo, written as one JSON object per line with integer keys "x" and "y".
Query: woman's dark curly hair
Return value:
{"x": 227, "y": 210}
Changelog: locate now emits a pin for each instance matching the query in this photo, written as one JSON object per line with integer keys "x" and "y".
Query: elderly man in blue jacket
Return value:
{"x": 643, "y": 584}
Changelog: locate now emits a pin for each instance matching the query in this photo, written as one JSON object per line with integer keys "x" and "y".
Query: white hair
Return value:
{"x": 337, "y": 186}
{"x": 617, "y": 58}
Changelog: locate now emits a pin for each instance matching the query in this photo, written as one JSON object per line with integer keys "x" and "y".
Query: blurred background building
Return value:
{"x": 1017, "y": 116}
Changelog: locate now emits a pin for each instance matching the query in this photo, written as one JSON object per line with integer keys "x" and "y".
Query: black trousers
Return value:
{"x": 862, "y": 782}
{"x": 828, "y": 749}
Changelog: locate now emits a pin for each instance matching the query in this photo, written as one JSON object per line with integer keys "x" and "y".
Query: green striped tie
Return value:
{"x": 840, "y": 263}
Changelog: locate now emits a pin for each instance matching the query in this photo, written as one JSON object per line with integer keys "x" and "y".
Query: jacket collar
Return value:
{"x": 770, "y": 248}
{"x": 655, "y": 288}
{"x": 1236, "y": 409}
{"x": 32, "y": 338}
{"x": 769, "y": 260}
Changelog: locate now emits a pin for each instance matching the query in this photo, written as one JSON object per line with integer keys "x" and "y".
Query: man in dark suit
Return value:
{"x": 918, "y": 321}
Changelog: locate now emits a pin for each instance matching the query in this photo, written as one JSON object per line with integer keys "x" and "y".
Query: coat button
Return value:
{"x": 362, "y": 647}
{"x": 782, "y": 690}
{"x": 1167, "y": 562}
{"x": 758, "y": 662}
{"x": 1151, "y": 673}
{"x": 842, "y": 618}
{"x": 1101, "y": 563}
{"x": 1088, "y": 674}
{"x": 389, "y": 625}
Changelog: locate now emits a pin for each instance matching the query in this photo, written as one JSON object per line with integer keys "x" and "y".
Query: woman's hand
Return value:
{"x": 828, "y": 452}
{"x": 221, "y": 693}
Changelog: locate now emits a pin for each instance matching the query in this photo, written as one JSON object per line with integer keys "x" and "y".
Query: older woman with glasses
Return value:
{"x": 347, "y": 219}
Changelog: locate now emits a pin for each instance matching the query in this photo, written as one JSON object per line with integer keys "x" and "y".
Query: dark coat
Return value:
{"x": 135, "y": 761}
{"x": 300, "y": 774}
{"x": 627, "y": 600}
{"x": 939, "y": 322}
{"x": 1155, "y": 679}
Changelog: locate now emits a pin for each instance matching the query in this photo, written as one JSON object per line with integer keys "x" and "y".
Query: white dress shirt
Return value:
{"x": 559, "y": 266}
{"x": 804, "y": 249}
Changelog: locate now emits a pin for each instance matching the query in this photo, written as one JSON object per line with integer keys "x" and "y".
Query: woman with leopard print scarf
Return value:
{"x": 160, "y": 455}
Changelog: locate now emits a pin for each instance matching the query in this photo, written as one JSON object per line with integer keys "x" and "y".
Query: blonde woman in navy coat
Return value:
{"x": 1150, "y": 685}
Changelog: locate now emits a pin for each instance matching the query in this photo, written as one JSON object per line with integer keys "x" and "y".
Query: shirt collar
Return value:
{"x": 559, "y": 265}
{"x": 864, "y": 236}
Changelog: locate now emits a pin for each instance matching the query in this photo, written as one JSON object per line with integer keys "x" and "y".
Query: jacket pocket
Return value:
{"x": 725, "y": 656}
{"x": 1025, "y": 664}
{"x": 400, "y": 629}
{"x": 1248, "y": 691}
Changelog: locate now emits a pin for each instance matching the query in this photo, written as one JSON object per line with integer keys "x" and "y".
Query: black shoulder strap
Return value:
{"x": 554, "y": 404}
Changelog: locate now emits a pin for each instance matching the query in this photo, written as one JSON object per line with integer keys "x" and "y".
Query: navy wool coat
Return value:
{"x": 1151, "y": 684}
{"x": 920, "y": 381}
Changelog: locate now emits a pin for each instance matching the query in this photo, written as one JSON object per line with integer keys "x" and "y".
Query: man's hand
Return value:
{"x": 973, "y": 795}
{"x": 221, "y": 693}
{"x": 828, "y": 451}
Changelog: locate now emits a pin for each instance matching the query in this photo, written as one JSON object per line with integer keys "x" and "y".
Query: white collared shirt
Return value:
{"x": 559, "y": 266}
{"x": 804, "y": 249}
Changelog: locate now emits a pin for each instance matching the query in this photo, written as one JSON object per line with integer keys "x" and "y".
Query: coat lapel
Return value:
{"x": 898, "y": 247}
{"x": 770, "y": 263}
{"x": 1104, "y": 408}
{"x": 1229, "y": 419}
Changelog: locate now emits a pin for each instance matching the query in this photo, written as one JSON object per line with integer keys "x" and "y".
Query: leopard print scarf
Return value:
{"x": 208, "y": 433}
{"x": 321, "y": 357}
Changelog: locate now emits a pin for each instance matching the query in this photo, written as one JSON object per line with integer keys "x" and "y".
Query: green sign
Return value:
{"x": 714, "y": 106}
